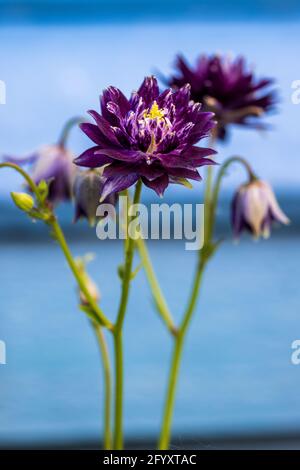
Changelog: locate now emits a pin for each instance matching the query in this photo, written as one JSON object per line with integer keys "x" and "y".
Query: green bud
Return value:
{"x": 43, "y": 189}
{"x": 121, "y": 271}
{"x": 23, "y": 201}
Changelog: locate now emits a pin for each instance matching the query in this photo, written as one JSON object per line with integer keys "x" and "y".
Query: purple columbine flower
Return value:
{"x": 227, "y": 88}
{"x": 151, "y": 136}
{"x": 87, "y": 191}
{"x": 54, "y": 164}
{"x": 255, "y": 208}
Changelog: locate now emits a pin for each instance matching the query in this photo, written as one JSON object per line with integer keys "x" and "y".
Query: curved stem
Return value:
{"x": 129, "y": 252}
{"x": 25, "y": 175}
{"x": 160, "y": 301}
{"x": 67, "y": 128}
{"x": 217, "y": 186}
{"x": 107, "y": 384}
{"x": 99, "y": 315}
{"x": 80, "y": 280}
{"x": 211, "y": 198}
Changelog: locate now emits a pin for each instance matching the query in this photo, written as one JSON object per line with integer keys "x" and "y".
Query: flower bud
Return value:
{"x": 93, "y": 291}
{"x": 51, "y": 167}
{"x": 87, "y": 189}
{"x": 89, "y": 283}
{"x": 91, "y": 287}
{"x": 23, "y": 201}
{"x": 255, "y": 208}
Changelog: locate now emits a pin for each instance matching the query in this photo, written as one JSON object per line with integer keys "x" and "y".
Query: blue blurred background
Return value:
{"x": 237, "y": 377}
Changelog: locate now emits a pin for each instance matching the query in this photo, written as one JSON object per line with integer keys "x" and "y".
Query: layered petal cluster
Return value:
{"x": 226, "y": 87}
{"x": 87, "y": 192}
{"x": 54, "y": 164}
{"x": 150, "y": 136}
{"x": 255, "y": 208}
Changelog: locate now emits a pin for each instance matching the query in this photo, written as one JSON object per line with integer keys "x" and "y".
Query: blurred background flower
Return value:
{"x": 228, "y": 88}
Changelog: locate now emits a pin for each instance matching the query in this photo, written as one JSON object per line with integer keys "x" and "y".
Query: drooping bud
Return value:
{"x": 23, "y": 201}
{"x": 93, "y": 291}
{"x": 55, "y": 165}
{"x": 89, "y": 283}
{"x": 255, "y": 208}
{"x": 87, "y": 189}
{"x": 52, "y": 169}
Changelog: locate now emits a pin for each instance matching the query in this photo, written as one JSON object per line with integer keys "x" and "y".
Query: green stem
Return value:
{"x": 25, "y": 175}
{"x": 107, "y": 444}
{"x": 129, "y": 252}
{"x": 216, "y": 190}
{"x": 211, "y": 199}
{"x": 207, "y": 204}
{"x": 160, "y": 301}
{"x": 164, "y": 440}
{"x": 203, "y": 257}
{"x": 119, "y": 382}
{"x": 80, "y": 280}
{"x": 99, "y": 315}
{"x": 67, "y": 128}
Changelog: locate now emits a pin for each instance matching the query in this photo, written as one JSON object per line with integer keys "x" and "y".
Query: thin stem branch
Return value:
{"x": 80, "y": 280}
{"x": 203, "y": 256}
{"x": 129, "y": 253}
{"x": 216, "y": 190}
{"x": 119, "y": 383}
{"x": 107, "y": 444}
{"x": 211, "y": 199}
{"x": 156, "y": 291}
{"x": 25, "y": 175}
{"x": 67, "y": 128}
{"x": 165, "y": 434}
{"x": 99, "y": 316}
{"x": 128, "y": 265}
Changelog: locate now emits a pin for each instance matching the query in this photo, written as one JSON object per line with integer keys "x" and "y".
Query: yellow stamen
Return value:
{"x": 155, "y": 112}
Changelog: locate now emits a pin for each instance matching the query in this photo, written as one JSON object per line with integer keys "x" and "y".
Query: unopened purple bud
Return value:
{"x": 53, "y": 164}
{"x": 255, "y": 208}
{"x": 87, "y": 190}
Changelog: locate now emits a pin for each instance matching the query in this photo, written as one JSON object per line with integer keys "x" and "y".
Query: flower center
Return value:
{"x": 156, "y": 123}
{"x": 154, "y": 113}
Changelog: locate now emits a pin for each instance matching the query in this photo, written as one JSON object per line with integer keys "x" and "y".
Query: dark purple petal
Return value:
{"x": 158, "y": 185}
{"x": 113, "y": 94}
{"x": 92, "y": 131}
{"x": 104, "y": 128}
{"x": 129, "y": 156}
{"x": 184, "y": 161}
{"x": 151, "y": 172}
{"x": 92, "y": 158}
{"x": 115, "y": 184}
{"x": 184, "y": 173}
{"x": 119, "y": 169}
{"x": 149, "y": 90}
{"x": 198, "y": 153}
